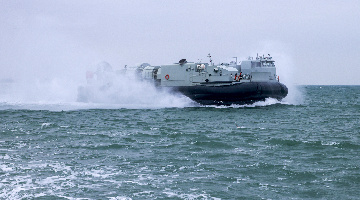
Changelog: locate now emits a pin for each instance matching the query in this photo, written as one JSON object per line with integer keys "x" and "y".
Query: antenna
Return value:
{"x": 210, "y": 58}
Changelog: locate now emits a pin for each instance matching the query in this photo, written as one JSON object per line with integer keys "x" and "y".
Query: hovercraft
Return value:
{"x": 224, "y": 84}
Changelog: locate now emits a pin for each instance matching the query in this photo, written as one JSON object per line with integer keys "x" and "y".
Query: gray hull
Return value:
{"x": 241, "y": 93}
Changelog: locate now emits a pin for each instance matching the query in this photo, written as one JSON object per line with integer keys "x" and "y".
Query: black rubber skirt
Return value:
{"x": 239, "y": 93}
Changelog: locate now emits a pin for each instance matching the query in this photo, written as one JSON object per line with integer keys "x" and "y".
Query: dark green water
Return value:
{"x": 276, "y": 151}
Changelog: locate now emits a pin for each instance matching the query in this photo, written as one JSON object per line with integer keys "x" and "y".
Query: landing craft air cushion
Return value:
{"x": 208, "y": 84}
{"x": 223, "y": 84}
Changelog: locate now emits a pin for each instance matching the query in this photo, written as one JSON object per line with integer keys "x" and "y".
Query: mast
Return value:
{"x": 210, "y": 59}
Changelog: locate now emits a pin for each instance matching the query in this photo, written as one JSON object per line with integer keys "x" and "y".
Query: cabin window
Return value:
{"x": 255, "y": 64}
{"x": 200, "y": 67}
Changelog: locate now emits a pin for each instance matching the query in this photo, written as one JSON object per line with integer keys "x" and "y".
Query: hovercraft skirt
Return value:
{"x": 239, "y": 93}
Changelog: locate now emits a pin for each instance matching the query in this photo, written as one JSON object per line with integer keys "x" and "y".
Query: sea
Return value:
{"x": 307, "y": 148}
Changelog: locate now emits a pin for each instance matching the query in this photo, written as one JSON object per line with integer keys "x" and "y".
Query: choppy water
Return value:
{"x": 274, "y": 151}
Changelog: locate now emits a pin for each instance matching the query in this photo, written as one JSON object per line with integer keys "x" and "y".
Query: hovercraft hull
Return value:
{"x": 239, "y": 93}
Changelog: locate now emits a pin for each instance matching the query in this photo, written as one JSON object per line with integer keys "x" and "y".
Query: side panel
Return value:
{"x": 260, "y": 76}
{"x": 176, "y": 75}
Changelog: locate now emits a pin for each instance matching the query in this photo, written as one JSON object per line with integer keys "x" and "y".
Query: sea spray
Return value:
{"x": 107, "y": 88}
{"x": 286, "y": 70}
{"x": 126, "y": 88}
{"x": 39, "y": 90}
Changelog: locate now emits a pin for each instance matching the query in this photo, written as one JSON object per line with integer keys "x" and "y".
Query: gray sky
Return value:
{"x": 313, "y": 42}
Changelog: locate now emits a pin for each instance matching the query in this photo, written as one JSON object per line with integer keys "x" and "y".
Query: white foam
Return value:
{"x": 176, "y": 194}
{"x": 328, "y": 143}
{"x": 25, "y": 187}
{"x": 100, "y": 173}
{"x": 174, "y": 101}
{"x": 119, "y": 198}
{"x": 267, "y": 102}
{"x": 13, "y": 188}
{"x": 6, "y": 168}
{"x": 44, "y": 125}
{"x": 5, "y": 157}
{"x": 66, "y": 106}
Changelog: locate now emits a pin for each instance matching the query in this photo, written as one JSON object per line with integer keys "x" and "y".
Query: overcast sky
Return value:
{"x": 312, "y": 41}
